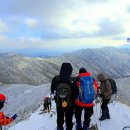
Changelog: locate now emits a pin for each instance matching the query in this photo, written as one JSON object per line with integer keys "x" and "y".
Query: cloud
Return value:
{"x": 3, "y": 38}
{"x": 128, "y": 9}
{"x": 108, "y": 28}
{"x": 36, "y": 23}
{"x": 31, "y": 22}
{"x": 3, "y": 27}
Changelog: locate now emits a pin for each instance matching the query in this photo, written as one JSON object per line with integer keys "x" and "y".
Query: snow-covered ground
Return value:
{"x": 23, "y": 99}
{"x": 120, "y": 117}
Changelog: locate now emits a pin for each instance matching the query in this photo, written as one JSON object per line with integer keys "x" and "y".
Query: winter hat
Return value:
{"x": 66, "y": 69}
{"x": 101, "y": 77}
{"x": 2, "y": 97}
{"x": 82, "y": 70}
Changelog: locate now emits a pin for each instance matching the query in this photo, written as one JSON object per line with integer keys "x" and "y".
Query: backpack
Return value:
{"x": 86, "y": 90}
{"x": 113, "y": 85}
{"x": 63, "y": 95}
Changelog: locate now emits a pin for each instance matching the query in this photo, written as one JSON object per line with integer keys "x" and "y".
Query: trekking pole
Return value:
{"x": 100, "y": 112}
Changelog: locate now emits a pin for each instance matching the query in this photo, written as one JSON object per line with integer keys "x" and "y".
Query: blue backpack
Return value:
{"x": 86, "y": 90}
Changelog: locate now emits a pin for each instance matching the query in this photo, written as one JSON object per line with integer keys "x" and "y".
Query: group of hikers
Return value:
{"x": 75, "y": 94}
{"x": 72, "y": 95}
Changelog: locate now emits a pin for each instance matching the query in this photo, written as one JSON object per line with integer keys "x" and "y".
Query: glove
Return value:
{"x": 14, "y": 117}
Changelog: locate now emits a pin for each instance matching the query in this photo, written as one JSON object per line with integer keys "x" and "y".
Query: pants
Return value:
{"x": 68, "y": 113}
{"x": 104, "y": 107}
{"x": 88, "y": 111}
{"x": 47, "y": 106}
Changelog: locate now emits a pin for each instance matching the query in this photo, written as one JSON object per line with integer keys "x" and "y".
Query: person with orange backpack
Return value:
{"x": 87, "y": 86}
{"x": 4, "y": 120}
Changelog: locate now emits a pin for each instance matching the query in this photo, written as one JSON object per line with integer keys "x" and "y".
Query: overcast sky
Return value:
{"x": 63, "y": 24}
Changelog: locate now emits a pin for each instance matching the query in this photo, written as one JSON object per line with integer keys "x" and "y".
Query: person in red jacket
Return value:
{"x": 81, "y": 105}
{"x": 4, "y": 120}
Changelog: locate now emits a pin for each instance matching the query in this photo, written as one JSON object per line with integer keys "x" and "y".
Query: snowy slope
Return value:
{"x": 23, "y": 99}
{"x": 120, "y": 117}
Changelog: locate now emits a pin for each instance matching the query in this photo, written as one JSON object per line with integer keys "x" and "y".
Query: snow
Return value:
{"x": 120, "y": 117}
{"x": 23, "y": 99}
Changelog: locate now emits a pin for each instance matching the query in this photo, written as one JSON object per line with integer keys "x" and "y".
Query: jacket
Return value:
{"x": 4, "y": 120}
{"x": 105, "y": 87}
{"x": 95, "y": 86}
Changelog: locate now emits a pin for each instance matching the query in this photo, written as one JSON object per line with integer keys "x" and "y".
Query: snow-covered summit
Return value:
{"x": 120, "y": 117}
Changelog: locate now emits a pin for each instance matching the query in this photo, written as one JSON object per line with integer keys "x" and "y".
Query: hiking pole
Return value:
{"x": 100, "y": 112}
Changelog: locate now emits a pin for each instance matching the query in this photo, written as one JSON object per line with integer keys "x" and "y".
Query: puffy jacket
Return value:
{"x": 105, "y": 86}
{"x": 4, "y": 120}
{"x": 95, "y": 85}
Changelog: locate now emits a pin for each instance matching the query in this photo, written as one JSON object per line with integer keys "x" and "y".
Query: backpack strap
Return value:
{"x": 105, "y": 83}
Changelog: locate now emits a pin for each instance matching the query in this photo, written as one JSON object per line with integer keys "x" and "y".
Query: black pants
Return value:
{"x": 88, "y": 111}
{"x": 104, "y": 107}
{"x": 47, "y": 106}
{"x": 68, "y": 114}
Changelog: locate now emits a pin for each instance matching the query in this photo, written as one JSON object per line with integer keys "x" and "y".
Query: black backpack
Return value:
{"x": 113, "y": 85}
{"x": 63, "y": 95}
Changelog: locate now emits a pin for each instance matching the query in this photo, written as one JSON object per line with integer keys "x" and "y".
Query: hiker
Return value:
{"x": 87, "y": 90}
{"x": 105, "y": 94}
{"x": 66, "y": 92}
{"x": 4, "y": 120}
{"x": 47, "y": 104}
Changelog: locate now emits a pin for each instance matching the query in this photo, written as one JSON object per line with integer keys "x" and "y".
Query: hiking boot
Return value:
{"x": 60, "y": 128}
{"x": 102, "y": 118}
{"x": 79, "y": 126}
{"x": 85, "y": 127}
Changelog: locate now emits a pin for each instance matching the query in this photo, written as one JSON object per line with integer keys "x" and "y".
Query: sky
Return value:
{"x": 63, "y": 25}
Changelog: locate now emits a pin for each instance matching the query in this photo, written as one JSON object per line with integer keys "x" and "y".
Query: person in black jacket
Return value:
{"x": 65, "y": 84}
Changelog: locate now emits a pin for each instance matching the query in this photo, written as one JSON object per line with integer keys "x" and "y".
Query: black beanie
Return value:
{"x": 82, "y": 70}
{"x": 66, "y": 69}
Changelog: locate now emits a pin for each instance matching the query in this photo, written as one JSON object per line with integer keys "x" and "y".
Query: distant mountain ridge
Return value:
{"x": 114, "y": 62}
{"x": 20, "y": 69}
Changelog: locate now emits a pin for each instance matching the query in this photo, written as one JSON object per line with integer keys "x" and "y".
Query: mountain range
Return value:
{"x": 113, "y": 62}
{"x": 24, "y": 80}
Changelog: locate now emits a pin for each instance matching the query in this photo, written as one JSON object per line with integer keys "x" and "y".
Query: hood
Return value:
{"x": 66, "y": 71}
{"x": 101, "y": 77}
